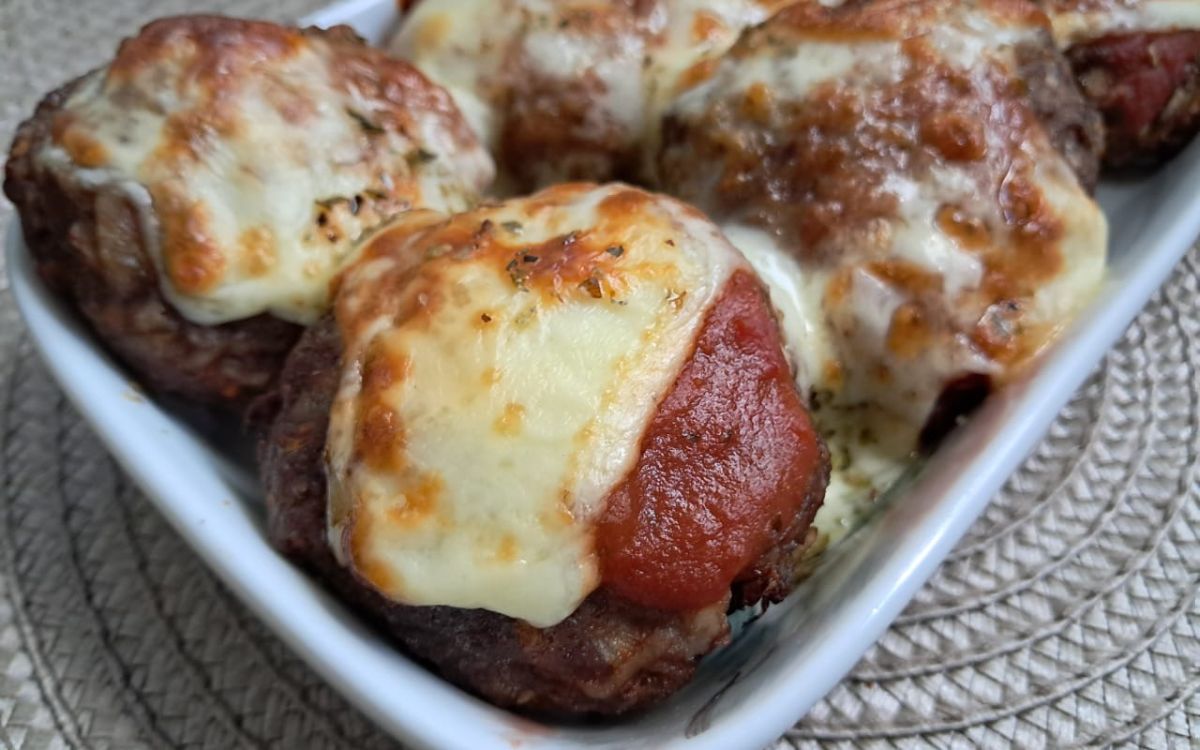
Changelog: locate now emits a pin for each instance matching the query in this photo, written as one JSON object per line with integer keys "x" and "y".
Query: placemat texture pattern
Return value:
{"x": 1067, "y": 617}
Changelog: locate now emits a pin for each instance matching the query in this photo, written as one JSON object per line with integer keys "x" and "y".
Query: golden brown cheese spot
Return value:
{"x": 839, "y": 287}
{"x": 833, "y": 373}
{"x": 707, "y": 27}
{"x": 566, "y": 266}
{"x": 378, "y": 435}
{"x": 191, "y": 135}
{"x": 758, "y": 104}
{"x": 83, "y": 149}
{"x": 379, "y": 431}
{"x": 1005, "y": 335}
{"x": 906, "y": 276}
{"x": 969, "y": 231}
{"x": 194, "y": 262}
{"x": 507, "y": 550}
{"x": 698, "y": 73}
{"x": 418, "y": 503}
{"x": 954, "y": 136}
{"x": 909, "y": 333}
{"x": 257, "y": 251}
{"x": 510, "y": 420}
{"x": 558, "y": 518}
{"x": 1015, "y": 269}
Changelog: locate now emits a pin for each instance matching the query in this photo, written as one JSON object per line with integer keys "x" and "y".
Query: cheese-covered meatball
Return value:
{"x": 1139, "y": 62}
{"x": 564, "y": 90}
{"x": 194, "y": 197}
{"x": 549, "y": 443}
{"x": 894, "y": 167}
{"x": 554, "y": 89}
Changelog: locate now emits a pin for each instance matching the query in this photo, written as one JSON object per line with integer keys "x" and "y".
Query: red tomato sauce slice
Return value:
{"x": 726, "y": 464}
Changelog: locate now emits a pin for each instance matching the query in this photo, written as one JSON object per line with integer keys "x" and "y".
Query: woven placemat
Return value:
{"x": 1067, "y": 617}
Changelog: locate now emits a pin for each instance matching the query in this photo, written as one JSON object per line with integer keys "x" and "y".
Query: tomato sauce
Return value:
{"x": 726, "y": 465}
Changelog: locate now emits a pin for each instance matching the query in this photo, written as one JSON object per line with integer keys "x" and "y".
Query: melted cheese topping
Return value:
{"x": 864, "y": 462}
{"x": 463, "y": 45}
{"x": 890, "y": 306}
{"x": 1078, "y": 21}
{"x": 475, "y": 47}
{"x": 873, "y": 274}
{"x": 500, "y": 368}
{"x": 252, "y": 186}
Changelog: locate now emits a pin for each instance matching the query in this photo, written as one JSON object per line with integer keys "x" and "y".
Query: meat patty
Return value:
{"x": 584, "y": 124}
{"x": 929, "y": 164}
{"x": 88, "y": 247}
{"x": 1147, "y": 85}
{"x": 610, "y": 657}
{"x": 193, "y": 197}
{"x": 547, "y": 444}
{"x": 1074, "y": 126}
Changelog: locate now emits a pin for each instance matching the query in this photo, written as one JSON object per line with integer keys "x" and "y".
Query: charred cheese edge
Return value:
{"x": 500, "y": 368}
{"x": 1078, "y": 21}
{"x": 255, "y": 157}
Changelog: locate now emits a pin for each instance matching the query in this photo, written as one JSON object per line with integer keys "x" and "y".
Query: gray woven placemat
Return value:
{"x": 1067, "y": 617}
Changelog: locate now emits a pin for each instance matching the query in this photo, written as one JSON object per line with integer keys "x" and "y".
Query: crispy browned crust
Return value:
{"x": 87, "y": 246}
{"x": 610, "y": 657}
{"x": 1147, "y": 86}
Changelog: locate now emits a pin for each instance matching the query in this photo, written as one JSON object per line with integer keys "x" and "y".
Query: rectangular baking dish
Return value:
{"x": 778, "y": 667}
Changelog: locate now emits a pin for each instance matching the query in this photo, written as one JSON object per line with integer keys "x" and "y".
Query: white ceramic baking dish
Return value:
{"x": 778, "y": 667}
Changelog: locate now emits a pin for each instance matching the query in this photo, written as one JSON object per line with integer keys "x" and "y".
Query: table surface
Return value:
{"x": 1068, "y": 616}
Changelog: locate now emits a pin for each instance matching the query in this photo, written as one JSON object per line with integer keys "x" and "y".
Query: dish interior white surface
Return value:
{"x": 779, "y": 666}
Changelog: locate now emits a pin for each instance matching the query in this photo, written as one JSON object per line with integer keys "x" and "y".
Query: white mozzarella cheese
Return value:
{"x": 517, "y": 398}
{"x": 253, "y": 187}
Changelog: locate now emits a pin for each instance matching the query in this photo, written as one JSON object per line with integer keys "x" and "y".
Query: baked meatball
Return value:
{"x": 564, "y": 91}
{"x": 901, "y": 158}
{"x": 547, "y": 445}
{"x": 1139, "y": 62}
{"x": 194, "y": 197}
{"x": 553, "y": 89}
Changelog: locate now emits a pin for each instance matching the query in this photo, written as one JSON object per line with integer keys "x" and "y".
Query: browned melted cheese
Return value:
{"x": 500, "y": 369}
{"x": 257, "y": 154}
{"x": 890, "y": 149}
{"x": 568, "y": 90}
